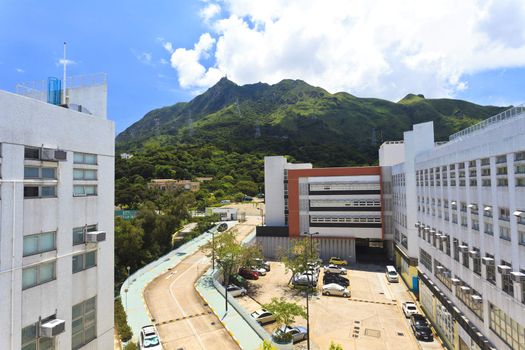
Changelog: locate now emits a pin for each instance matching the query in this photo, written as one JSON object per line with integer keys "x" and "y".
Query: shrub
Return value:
{"x": 121, "y": 323}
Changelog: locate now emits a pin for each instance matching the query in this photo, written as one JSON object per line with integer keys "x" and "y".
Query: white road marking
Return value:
{"x": 184, "y": 314}
{"x": 384, "y": 286}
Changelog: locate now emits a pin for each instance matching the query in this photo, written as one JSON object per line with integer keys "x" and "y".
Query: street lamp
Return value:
{"x": 310, "y": 234}
{"x": 213, "y": 250}
{"x": 127, "y": 287}
{"x": 227, "y": 265}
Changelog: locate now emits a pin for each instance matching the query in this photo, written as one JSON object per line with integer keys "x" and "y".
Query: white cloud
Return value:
{"x": 61, "y": 62}
{"x": 209, "y": 11}
{"x": 168, "y": 46}
{"x": 377, "y": 48}
{"x": 143, "y": 57}
{"x": 20, "y": 70}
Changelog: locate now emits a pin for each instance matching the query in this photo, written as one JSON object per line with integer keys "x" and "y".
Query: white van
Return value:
{"x": 391, "y": 274}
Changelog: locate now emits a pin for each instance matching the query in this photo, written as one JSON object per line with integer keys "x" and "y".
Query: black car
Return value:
{"x": 420, "y": 327}
{"x": 333, "y": 278}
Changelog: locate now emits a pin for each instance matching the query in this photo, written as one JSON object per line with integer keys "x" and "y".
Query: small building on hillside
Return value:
{"x": 172, "y": 185}
{"x": 126, "y": 155}
{"x": 226, "y": 214}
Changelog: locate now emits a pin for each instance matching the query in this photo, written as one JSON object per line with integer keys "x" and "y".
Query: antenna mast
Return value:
{"x": 64, "y": 101}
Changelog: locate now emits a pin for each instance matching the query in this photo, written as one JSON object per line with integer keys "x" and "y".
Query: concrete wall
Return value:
{"x": 28, "y": 122}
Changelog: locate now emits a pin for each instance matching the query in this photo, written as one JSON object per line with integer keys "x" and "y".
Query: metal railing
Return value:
{"x": 505, "y": 115}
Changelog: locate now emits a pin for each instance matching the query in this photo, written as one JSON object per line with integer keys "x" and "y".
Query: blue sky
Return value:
{"x": 157, "y": 53}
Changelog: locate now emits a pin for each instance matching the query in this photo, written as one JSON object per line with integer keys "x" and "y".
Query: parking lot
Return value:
{"x": 370, "y": 319}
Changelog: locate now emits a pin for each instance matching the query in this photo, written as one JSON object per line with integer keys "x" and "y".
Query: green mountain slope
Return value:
{"x": 297, "y": 119}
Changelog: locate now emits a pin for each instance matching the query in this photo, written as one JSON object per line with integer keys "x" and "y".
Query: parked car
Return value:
{"x": 409, "y": 308}
{"x": 149, "y": 339}
{"x": 297, "y": 333}
{"x": 260, "y": 270}
{"x": 338, "y": 279}
{"x": 420, "y": 327}
{"x": 263, "y": 316}
{"x": 303, "y": 280}
{"x": 248, "y": 274}
{"x": 247, "y": 199}
{"x": 335, "y": 260}
{"x": 238, "y": 280}
{"x": 335, "y": 289}
{"x": 263, "y": 263}
{"x": 225, "y": 201}
{"x": 335, "y": 269}
{"x": 391, "y": 274}
{"x": 236, "y": 291}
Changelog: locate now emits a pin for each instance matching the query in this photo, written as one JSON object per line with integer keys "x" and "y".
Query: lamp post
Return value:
{"x": 310, "y": 234}
{"x": 227, "y": 265}
{"x": 127, "y": 287}
{"x": 213, "y": 250}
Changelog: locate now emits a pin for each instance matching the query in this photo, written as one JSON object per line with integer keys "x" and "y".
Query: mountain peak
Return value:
{"x": 412, "y": 98}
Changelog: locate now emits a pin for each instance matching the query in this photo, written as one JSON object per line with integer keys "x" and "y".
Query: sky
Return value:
{"x": 160, "y": 52}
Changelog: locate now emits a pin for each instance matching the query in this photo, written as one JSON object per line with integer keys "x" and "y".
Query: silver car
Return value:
{"x": 335, "y": 289}
{"x": 236, "y": 291}
{"x": 263, "y": 316}
{"x": 297, "y": 333}
{"x": 335, "y": 269}
{"x": 261, "y": 271}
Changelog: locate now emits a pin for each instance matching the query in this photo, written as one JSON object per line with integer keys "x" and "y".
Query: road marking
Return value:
{"x": 195, "y": 334}
{"x": 384, "y": 286}
{"x": 170, "y": 275}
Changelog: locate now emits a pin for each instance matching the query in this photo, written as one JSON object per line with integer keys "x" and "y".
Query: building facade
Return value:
{"x": 341, "y": 206}
{"x": 459, "y": 228}
{"x": 56, "y": 220}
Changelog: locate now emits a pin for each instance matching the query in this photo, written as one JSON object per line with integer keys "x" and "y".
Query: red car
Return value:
{"x": 248, "y": 274}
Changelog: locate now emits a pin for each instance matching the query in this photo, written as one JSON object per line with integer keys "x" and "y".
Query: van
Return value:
{"x": 391, "y": 274}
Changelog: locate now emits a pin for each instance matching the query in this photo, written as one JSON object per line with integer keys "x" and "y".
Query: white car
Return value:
{"x": 149, "y": 339}
{"x": 263, "y": 316}
{"x": 409, "y": 309}
{"x": 236, "y": 291}
{"x": 335, "y": 269}
{"x": 335, "y": 289}
{"x": 261, "y": 271}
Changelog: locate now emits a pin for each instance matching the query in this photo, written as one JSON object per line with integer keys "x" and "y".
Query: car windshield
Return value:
{"x": 411, "y": 307}
{"x": 392, "y": 273}
{"x": 151, "y": 341}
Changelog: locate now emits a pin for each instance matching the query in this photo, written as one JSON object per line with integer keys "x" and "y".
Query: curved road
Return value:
{"x": 182, "y": 318}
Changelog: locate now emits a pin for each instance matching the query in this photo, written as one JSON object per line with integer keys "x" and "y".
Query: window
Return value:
{"x": 520, "y": 169}
{"x": 84, "y": 190}
{"x": 40, "y": 191}
{"x": 84, "y": 174}
{"x": 501, "y": 159}
{"x": 504, "y": 214}
{"x": 31, "y": 341}
{"x": 510, "y": 331}
{"x": 491, "y": 271}
{"x": 32, "y": 153}
{"x": 485, "y": 182}
{"x": 471, "y": 299}
{"x": 38, "y": 274}
{"x": 485, "y": 172}
{"x": 504, "y": 233}
{"x": 520, "y": 182}
{"x": 78, "y": 233}
{"x": 521, "y": 235}
{"x": 489, "y": 229}
{"x": 84, "y": 158}
{"x": 39, "y": 243}
{"x": 507, "y": 285}
{"x": 501, "y": 170}
{"x": 426, "y": 259}
{"x": 84, "y": 323}
{"x": 502, "y": 182}
{"x": 85, "y": 261}
{"x": 456, "y": 249}
{"x": 475, "y": 224}
{"x": 39, "y": 173}
{"x": 465, "y": 256}
{"x": 519, "y": 156}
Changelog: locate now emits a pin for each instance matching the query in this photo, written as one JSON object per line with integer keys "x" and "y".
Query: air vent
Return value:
{"x": 52, "y": 328}
{"x": 95, "y": 236}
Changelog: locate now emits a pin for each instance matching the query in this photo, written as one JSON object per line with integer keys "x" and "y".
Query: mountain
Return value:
{"x": 297, "y": 119}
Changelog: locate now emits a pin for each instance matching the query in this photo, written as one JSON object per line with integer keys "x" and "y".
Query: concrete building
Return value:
{"x": 172, "y": 185}
{"x": 56, "y": 218}
{"x": 342, "y": 205}
{"x": 458, "y": 212}
{"x": 226, "y": 214}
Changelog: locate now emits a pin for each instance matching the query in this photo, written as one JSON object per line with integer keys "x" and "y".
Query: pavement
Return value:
{"x": 132, "y": 289}
{"x": 189, "y": 319}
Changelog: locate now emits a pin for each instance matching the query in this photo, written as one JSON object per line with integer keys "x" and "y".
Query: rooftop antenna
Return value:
{"x": 64, "y": 62}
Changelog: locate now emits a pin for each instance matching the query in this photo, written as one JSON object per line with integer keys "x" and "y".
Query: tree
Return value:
{"x": 285, "y": 313}
{"x": 266, "y": 345}
{"x": 128, "y": 247}
{"x": 299, "y": 254}
{"x": 334, "y": 346}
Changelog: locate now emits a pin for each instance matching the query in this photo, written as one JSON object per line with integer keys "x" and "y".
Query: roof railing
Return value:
{"x": 505, "y": 115}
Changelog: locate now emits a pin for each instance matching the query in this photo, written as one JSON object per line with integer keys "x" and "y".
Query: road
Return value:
{"x": 182, "y": 318}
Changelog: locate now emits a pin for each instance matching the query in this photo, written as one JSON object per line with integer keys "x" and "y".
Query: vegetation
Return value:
{"x": 230, "y": 254}
{"x": 266, "y": 345}
{"x": 121, "y": 322}
{"x": 131, "y": 346}
{"x": 285, "y": 313}
{"x": 334, "y": 346}
{"x": 299, "y": 254}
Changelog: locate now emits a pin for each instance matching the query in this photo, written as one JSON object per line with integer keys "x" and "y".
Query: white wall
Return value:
{"x": 25, "y": 121}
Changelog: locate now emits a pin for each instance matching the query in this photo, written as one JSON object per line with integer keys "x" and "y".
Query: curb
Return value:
{"x": 216, "y": 315}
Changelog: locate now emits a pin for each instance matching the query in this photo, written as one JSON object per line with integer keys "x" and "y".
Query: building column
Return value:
{"x": 518, "y": 290}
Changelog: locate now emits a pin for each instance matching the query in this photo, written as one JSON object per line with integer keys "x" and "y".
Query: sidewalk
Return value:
{"x": 244, "y": 334}
{"x": 133, "y": 300}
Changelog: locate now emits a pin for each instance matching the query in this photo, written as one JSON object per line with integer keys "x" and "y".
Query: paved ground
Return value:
{"x": 371, "y": 319}
{"x": 182, "y": 319}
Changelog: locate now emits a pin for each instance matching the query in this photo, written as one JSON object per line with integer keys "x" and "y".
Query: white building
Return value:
{"x": 56, "y": 202}
{"x": 341, "y": 206}
{"x": 459, "y": 228}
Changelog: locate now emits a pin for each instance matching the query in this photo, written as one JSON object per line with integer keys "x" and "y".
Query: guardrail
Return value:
{"x": 505, "y": 115}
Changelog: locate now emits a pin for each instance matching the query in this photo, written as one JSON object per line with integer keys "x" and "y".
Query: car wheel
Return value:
{"x": 243, "y": 294}
{"x": 327, "y": 293}
{"x": 345, "y": 295}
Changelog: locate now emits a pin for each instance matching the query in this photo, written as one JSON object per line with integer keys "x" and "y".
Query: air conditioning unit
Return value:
{"x": 53, "y": 154}
{"x": 517, "y": 276}
{"x": 95, "y": 236}
{"x": 487, "y": 261}
{"x": 476, "y": 298}
{"x": 52, "y": 328}
{"x": 504, "y": 269}
{"x": 473, "y": 254}
{"x": 455, "y": 281}
{"x": 463, "y": 248}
